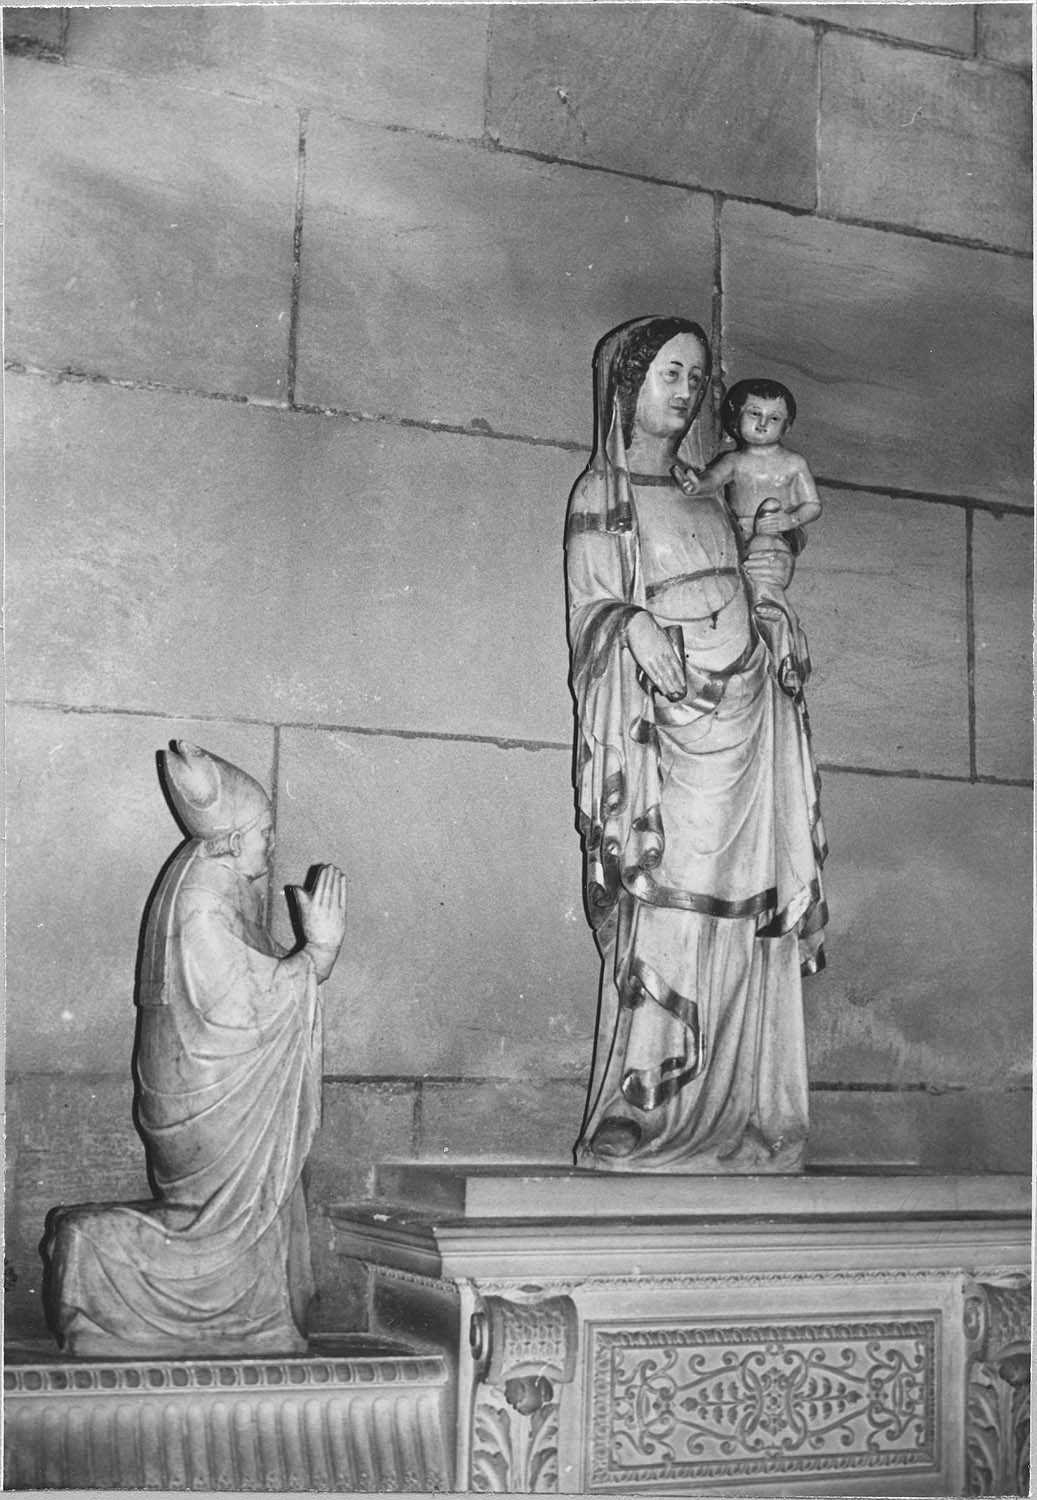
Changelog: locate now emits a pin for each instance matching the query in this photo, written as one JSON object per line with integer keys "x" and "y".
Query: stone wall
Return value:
{"x": 300, "y": 310}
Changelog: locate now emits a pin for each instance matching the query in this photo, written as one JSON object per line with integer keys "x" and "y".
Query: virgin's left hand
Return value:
{"x": 771, "y": 569}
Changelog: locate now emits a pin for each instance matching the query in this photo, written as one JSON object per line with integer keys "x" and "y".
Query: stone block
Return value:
{"x": 467, "y": 952}
{"x": 982, "y": 1130}
{"x": 325, "y": 570}
{"x": 506, "y": 1120}
{"x": 363, "y": 1122}
{"x": 34, "y": 31}
{"x": 150, "y": 231}
{"x": 930, "y": 143}
{"x": 448, "y": 283}
{"x": 707, "y": 95}
{"x": 405, "y": 1310}
{"x": 418, "y": 66}
{"x": 343, "y": 1299}
{"x": 1002, "y": 573}
{"x": 88, "y": 834}
{"x": 75, "y": 1143}
{"x": 929, "y": 944}
{"x": 1006, "y": 33}
{"x": 880, "y": 590}
{"x": 949, "y": 27}
{"x": 864, "y": 326}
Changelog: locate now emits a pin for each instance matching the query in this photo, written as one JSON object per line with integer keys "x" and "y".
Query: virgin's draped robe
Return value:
{"x": 229, "y": 1070}
{"x": 702, "y": 836}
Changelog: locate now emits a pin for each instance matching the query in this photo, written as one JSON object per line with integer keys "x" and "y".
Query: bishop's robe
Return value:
{"x": 228, "y": 1097}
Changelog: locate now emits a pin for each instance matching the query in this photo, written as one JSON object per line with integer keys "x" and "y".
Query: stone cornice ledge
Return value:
{"x": 547, "y": 1250}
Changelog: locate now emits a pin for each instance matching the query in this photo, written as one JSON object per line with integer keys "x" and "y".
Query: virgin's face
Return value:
{"x": 668, "y": 397}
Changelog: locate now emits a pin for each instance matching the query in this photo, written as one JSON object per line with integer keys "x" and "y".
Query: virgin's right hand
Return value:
{"x": 655, "y": 654}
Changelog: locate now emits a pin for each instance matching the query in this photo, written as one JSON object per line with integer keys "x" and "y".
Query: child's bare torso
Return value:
{"x": 755, "y": 477}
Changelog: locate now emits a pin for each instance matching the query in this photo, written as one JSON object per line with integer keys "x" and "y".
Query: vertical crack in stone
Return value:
{"x": 300, "y": 193}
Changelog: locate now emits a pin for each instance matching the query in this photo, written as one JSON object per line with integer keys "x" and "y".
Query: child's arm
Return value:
{"x": 806, "y": 504}
{"x": 713, "y": 477}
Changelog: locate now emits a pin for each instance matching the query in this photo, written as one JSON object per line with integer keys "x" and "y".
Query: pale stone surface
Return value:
{"x": 897, "y": 313}
{"x": 931, "y": 143}
{"x": 35, "y": 28}
{"x": 1002, "y": 571}
{"x": 362, "y": 1122}
{"x": 707, "y": 95}
{"x": 64, "y": 1130}
{"x": 1006, "y": 33}
{"x": 851, "y": 1126}
{"x": 974, "y": 1130}
{"x": 947, "y": 26}
{"x": 71, "y": 959}
{"x": 149, "y": 231}
{"x": 449, "y": 283}
{"x": 473, "y": 1193}
{"x": 880, "y": 592}
{"x": 419, "y": 66}
{"x": 468, "y": 952}
{"x": 336, "y": 572}
{"x": 508, "y": 1120}
{"x": 929, "y": 948}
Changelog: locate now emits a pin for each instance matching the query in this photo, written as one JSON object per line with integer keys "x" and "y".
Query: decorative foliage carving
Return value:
{"x": 776, "y": 1400}
{"x": 514, "y": 1448}
{"x": 523, "y": 1351}
{"x": 997, "y": 1431}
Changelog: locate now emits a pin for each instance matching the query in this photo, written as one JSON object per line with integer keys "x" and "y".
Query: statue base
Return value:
{"x": 824, "y": 1333}
{"x": 362, "y": 1415}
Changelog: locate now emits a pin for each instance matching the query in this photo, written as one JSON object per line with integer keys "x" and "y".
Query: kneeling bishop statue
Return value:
{"x": 228, "y": 1067}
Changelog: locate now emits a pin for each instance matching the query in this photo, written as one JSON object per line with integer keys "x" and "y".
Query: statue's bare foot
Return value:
{"x": 616, "y": 1137}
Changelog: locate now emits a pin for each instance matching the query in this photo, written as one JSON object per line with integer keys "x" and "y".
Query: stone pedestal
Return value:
{"x": 818, "y": 1334}
{"x": 362, "y": 1416}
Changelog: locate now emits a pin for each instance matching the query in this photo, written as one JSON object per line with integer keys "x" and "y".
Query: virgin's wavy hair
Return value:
{"x": 634, "y": 359}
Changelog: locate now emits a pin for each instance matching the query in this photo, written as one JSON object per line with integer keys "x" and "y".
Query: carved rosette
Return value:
{"x": 997, "y": 1388}
{"x": 522, "y": 1352}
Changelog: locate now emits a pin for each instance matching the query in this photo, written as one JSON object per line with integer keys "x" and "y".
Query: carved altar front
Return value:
{"x": 831, "y": 1335}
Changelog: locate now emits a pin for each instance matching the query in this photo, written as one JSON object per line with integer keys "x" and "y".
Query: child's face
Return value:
{"x": 763, "y": 421}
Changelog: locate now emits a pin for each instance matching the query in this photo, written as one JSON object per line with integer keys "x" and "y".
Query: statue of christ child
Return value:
{"x": 771, "y": 494}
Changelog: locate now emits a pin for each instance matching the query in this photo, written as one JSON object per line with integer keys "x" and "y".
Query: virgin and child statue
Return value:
{"x": 696, "y": 788}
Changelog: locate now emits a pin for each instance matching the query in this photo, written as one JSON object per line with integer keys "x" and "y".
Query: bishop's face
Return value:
{"x": 255, "y": 848}
{"x": 669, "y": 396}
